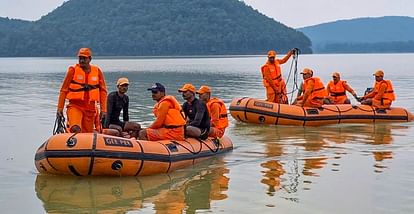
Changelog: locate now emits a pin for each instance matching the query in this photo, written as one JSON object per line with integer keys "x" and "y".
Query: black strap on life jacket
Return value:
{"x": 222, "y": 115}
{"x": 338, "y": 94}
{"x": 318, "y": 89}
{"x": 172, "y": 126}
{"x": 85, "y": 86}
{"x": 278, "y": 77}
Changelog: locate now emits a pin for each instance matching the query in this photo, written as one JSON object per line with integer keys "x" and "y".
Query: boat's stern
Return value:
{"x": 410, "y": 116}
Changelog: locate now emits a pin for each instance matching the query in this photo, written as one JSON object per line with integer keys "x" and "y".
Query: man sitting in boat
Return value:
{"x": 272, "y": 77}
{"x": 382, "y": 95}
{"x": 337, "y": 89}
{"x": 169, "y": 123}
{"x": 119, "y": 101}
{"x": 217, "y": 110}
{"x": 314, "y": 93}
{"x": 198, "y": 119}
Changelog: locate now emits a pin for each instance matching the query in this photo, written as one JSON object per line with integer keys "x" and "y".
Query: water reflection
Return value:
{"x": 295, "y": 157}
{"x": 178, "y": 192}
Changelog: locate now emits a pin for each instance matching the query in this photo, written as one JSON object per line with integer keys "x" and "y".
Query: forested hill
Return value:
{"x": 383, "y": 34}
{"x": 151, "y": 28}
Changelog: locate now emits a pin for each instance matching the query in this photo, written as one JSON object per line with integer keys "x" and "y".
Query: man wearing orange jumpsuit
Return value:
{"x": 169, "y": 122}
{"x": 217, "y": 110}
{"x": 272, "y": 77}
{"x": 314, "y": 93}
{"x": 337, "y": 88}
{"x": 382, "y": 95}
{"x": 84, "y": 86}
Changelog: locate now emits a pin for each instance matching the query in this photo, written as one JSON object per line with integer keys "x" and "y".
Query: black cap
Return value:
{"x": 157, "y": 87}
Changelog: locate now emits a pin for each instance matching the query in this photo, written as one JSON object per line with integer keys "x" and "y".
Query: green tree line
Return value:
{"x": 151, "y": 28}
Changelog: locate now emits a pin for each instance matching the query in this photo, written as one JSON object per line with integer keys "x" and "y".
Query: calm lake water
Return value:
{"x": 349, "y": 168}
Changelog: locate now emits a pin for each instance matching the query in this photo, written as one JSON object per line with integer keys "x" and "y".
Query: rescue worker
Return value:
{"x": 314, "y": 93}
{"x": 84, "y": 86}
{"x": 337, "y": 88}
{"x": 272, "y": 77}
{"x": 169, "y": 121}
{"x": 382, "y": 95}
{"x": 198, "y": 119}
{"x": 119, "y": 101}
{"x": 217, "y": 111}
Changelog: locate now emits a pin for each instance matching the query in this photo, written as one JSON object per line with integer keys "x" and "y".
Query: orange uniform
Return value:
{"x": 337, "y": 92}
{"x": 314, "y": 93}
{"x": 83, "y": 90}
{"x": 169, "y": 122}
{"x": 382, "y": 95}
{"x": 273, "y": 82}
{"x": 218, "y": 115}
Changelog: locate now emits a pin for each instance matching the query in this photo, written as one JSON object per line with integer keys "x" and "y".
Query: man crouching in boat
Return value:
{"x": 84, "y": 85}
{"x": 169, "y": 122}
{"x": 198, "y": 119}
{"x": 272, "y": 77}
{"x": 382, "y": 95}
{"x": 314, "y": 92}
{"x": 217, "y": 110}
{"x": 119, "y": 101}
{"x": 337, "y": 89}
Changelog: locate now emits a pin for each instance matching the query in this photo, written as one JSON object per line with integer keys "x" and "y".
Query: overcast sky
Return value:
{"x": 293, "y": 13}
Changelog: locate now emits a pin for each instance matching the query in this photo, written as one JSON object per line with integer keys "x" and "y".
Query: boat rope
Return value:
{"x": 59, "y": 126}
{"x": 293, "y": 72}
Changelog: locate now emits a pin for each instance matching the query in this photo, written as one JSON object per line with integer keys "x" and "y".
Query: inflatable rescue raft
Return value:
{"x": 252, "y": 110}
{"x": 105, "y": 155}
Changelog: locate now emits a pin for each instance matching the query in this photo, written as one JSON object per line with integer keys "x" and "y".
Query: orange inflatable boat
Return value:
{"x": 98, "y": 154}
{"x": 262, "y": 112}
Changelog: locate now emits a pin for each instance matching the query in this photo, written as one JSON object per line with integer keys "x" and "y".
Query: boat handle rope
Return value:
{"x": 186, "y": 148}
{"x": 213, "y": 151}
{"x": 71, "y": 142}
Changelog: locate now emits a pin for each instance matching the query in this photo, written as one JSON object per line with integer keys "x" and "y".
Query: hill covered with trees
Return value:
{"x": 390, "y": 34}
{"x": 149, "y": 28}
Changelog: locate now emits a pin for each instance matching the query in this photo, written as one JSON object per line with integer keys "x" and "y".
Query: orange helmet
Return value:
{"x": 379, "y": 73}
{"x": 187, "y": 87}
{"x": 85, "y": 52}
{"x": 271, "y": 53}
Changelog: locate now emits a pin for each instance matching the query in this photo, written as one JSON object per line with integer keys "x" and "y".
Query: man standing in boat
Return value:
{"x": 84, "y": 86}
{"x": 337, "y": 89}
{"x": 272, "y": 77}
{"x": 169, "y": 121}
{"x": 198, "y": 119}
{"x": 382, "y": 95}
{"x": 314, "y": 93}
{"x": 217, "y": 110}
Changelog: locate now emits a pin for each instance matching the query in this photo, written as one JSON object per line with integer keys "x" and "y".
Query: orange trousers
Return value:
{"x": 314, "y": 103}
{"x": 215, "y": 132}
{"x": 165, "y": 134}
{"x": 277, "y": 98}
{"x": 383, "y": 105}
{"x": 82, "y": 117}
{"x": 339, "y": 100}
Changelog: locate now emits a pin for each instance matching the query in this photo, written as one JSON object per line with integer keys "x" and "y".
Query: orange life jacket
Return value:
{"x": 223, "y": 121}
{"x": 78, "y": 86}
{"x": 275, "y": 73}
{"x": 338, "y": 89}
{"x": 389, "y": 92}
{"x": 174, "y": 116}
{"x": 319, "y": 91}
